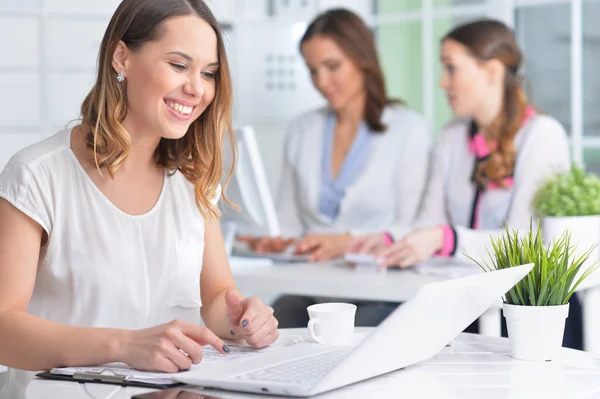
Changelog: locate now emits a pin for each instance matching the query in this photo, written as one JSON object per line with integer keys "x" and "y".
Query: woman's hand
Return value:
{"x": 251, "y": 320}
{"x": 367, "y": 244}
{"x": 415, "y": 248}
{"x": 323, "y": 247}
{"x": 161, "y": 348}
{"x": 266, "y": 244}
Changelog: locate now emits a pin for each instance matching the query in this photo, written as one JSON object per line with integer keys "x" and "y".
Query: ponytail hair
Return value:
{"x": 487, "y": 40}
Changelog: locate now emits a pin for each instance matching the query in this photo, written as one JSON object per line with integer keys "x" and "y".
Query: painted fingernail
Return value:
{"x": 226, "y": 349}
{"x": 231, "y": 332}
{"x": 245, "y": 323}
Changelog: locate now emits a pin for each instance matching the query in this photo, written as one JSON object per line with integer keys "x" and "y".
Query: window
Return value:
{"x": 408, "y": 36}
{"x": 591, "y": 84}
{"x": 560, "y": 40}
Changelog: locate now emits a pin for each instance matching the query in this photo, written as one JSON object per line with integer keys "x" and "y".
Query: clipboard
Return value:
{"x": 106, "y": 376}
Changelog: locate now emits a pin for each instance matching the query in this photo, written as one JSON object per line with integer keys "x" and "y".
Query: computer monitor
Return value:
{"x": 249, "y": 190}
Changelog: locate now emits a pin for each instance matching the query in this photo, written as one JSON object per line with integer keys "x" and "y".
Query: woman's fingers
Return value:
{"x": 262, "y": 245}
{"x": 322, "y": 254}
{"x": 203, "y": 336}
{"x": 365, "y": 244}
{"x": 287, "y": 242}
{"x": 307, "y": 245}
{"x": 178, "y": 358}
{"x": 356, "y": 245}
{"x": 169, "y": 347}
{"x": 280, "y": 244}
{"x": 396, "y": 255}
{"x": 189, "y": 346}
{"x": 371, "y": 245}
{"x": 269, "y": 244}
{"x": 266, "y": 334}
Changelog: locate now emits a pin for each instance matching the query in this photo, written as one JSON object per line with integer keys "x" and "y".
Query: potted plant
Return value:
{"x": 537, "y": 306}
{"x": 571, "y": 201}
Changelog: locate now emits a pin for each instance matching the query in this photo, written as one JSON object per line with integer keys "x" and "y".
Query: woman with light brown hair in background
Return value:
{"x": 487, "y": 165}
{"x": 356, "y": 166}
{"x": 110, "y": 245}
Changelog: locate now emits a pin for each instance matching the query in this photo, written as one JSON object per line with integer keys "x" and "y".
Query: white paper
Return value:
{"x": 242, "y": 350}
{"x": 209, "y": 355}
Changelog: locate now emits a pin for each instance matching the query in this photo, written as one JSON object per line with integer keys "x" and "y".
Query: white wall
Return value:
{"x": 47, "y": 65}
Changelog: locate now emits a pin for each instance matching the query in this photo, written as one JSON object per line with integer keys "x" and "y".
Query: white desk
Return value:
{"x": 337, "y": 280}
{"x": 334, "y": 280}
{"x": 474, "y": 366}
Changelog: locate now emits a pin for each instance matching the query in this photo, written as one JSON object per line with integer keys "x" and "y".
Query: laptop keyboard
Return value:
{"x": 308, "y": 370}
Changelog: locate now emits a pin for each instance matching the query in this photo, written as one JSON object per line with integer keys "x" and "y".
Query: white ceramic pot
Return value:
{"x": 535, "y": 332}
{"x": 585, "y": 232}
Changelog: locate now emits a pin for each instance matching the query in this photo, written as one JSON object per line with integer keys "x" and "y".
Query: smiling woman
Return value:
{"x": 110, "y": 246}
{"x": 165, "y": 87}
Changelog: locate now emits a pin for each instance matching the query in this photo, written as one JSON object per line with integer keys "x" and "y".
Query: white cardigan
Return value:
{"x": 542, "y": 148}
{"x": 386, "y": 193}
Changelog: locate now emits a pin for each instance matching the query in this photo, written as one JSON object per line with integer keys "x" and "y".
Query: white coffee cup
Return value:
{"x": 331, "y": 323}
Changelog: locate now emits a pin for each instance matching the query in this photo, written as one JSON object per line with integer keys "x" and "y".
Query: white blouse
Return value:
{"x": 542, "y": 148}
{"x": 387, "y": 191}
{"x": 102, "y": 267}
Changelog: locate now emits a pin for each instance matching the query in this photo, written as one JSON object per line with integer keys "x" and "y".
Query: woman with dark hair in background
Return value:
{"x": 486, "y": 166}
{"x": 358, "y": 165}
{"x": 110, "y": 245}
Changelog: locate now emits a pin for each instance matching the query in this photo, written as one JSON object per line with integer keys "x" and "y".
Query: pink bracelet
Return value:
{"x": 387, "y": 239}
{"x": 449, "y": 242}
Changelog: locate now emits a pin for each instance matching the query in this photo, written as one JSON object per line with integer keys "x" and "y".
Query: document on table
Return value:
{"x": 209, "y": 355}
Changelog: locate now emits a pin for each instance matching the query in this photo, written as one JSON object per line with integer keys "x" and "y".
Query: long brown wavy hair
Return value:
{"x": 198, "y": 155}
{"x": 356, "y": 40}
{"x": 487, "y": 40}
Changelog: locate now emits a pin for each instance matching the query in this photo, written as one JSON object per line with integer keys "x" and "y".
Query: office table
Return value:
{"x": 474, "y": 366}
{"x": 340, "y": 280}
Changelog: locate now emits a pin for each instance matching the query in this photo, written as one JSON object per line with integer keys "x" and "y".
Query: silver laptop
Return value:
{"x": 415, "y": 331}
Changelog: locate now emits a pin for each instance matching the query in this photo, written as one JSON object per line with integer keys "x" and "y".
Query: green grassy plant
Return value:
{"x": 552, "y": 280}
{"x": 575, "y": 193}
